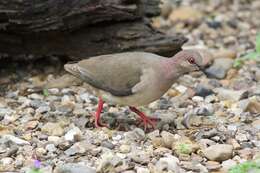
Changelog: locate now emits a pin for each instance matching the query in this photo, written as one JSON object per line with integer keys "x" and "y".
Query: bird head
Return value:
{"x": 190, "y": 60}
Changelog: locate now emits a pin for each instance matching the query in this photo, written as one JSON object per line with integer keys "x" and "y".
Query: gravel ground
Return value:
{"x": 56, "y": 126}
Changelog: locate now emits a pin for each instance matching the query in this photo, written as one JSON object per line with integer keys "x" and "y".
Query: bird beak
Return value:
{"x": 202, "y": 69}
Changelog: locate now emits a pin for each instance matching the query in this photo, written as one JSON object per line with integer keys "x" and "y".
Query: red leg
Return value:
{"x": 146, "y": 120}
{"x": 98, "y": 113}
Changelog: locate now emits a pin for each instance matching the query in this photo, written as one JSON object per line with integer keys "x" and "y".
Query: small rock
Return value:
{"x": 66, "y": 108}
{"x": 6, "y": 161}
{"x": 153, "y": 134}
{"x": 53, "y": 129}
{"x": 141, "y": 157}
{"x": 241, "y": 137}
{"x": 79, "y": 148}
{"x": 167, "y": 138}
{"x": 6, "y": 111}
{"x": 256, "y": 124}
{"x": 224, "y": 53}
{"x": 73, "y": 168}
{"x": 31, "y": 125}
{"x": 232, "y": 127}
{"x": 235, "y": 144}
{"x": 185, "y": 14}
{"x": 227, "y": 164}
{"x": 253, "y": 106}
{"x": 135, "y": 135}
{"x": 40, "y": 151}
{"x": 182, "y": 89}
{"x": 213, "y": 166}
{"x": 53, "y": 91}
{"x": 35, "y": 96}
{"x": 108, "y": 145}
{"x": 43, "y": 109}
{"x": 15, "y": 140}
{"x": 73, "y": 134}
{"x": 158, "y": 142}
{"x": 197, "y": 99}
{"x": 203, "y": 91}
{"x": 218, "y": 152}
{"x": 142, "y": 170}
{"x": 54, "y": 139}
{"x": 125, "y": 148}
{"x": 169, "y": 163}
{"x": 227, "y": 94}
{"x": 108, "y": 162}
{"x": 219, "y": 68}
{"x": 51, "y": 148}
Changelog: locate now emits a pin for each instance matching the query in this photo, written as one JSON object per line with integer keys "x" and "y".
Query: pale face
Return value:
{"x": 190, "y": 60}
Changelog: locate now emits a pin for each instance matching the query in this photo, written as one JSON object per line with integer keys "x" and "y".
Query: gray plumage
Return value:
{"x": 133, "y": 78}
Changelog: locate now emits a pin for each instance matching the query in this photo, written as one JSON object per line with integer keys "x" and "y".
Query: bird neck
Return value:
{"x": 172, "y": 68}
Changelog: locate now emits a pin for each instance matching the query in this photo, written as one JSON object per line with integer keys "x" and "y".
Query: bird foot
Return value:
{"x": 149, "y": 121}
{"x": 146, "y": 120}
{"x": 98, "y": 123}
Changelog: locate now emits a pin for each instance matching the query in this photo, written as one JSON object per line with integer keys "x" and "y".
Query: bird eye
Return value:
{"x": 191, "y": 60}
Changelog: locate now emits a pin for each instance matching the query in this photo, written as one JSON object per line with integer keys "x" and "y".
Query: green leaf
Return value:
{"x": 258, "y": 43}
{"x": 238, "y": 63}
{"x": 45, "y": 92}
{"x": 251, "y": 56}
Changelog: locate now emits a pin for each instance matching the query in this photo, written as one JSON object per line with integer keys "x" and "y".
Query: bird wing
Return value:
{"x": 116, "y": 74}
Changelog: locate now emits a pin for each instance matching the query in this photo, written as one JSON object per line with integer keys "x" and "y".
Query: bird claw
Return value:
{"x": 149, "y": 121}
{"x": 98, "y": 123}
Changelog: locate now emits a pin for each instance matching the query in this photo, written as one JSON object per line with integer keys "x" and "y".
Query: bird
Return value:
{"x": 133, "y": 78}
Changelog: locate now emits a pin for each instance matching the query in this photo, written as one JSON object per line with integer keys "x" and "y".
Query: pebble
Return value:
{"x": 142, "y": 170}
{"x": 228, "y": 94}
{"x": 197, "y": 99}
{"x": 73, "y": 168}
{"x": 219, "y": 68}
{"x": 203, "y": 91}
{"x": 43, "y": 109}
{"x": 107, "y": 144}
{"x": 167, "y": 138}
{"x": 15, "y": 140}
{"x": 125, "y": 148}
{"x": 227, "y": 164}
{"x": 135, "y": 135}
{"x": 218, "y": 152}
{"x": 108, "y": 161}
{"x": 73, "y": 134}
{"x": 213, "y": 166}
{"x": 241, "y": 137}
{"x": 35, "y": 96}
{"x": 51, "y": 148}
{"x": 169, "y": 163}
{"x": 79, "y": 148}
{"x": 6, "y": 111}
{"x": 180, "y": 88}
{"x": 54, "y": 139}
{"x": 256, "y": 124}
{"x": 185, "y": 14}
{"x": 141, "y": 157}
{"x": 52, "y": 129}
{"x": 253, "y": 106}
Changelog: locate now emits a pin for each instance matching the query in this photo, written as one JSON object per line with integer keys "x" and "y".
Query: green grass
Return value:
{"x": 255, "y": 55}
{"x": 184, "y": 148}
{"x": 245, "y": 167}
{"x": 45, "y": 92}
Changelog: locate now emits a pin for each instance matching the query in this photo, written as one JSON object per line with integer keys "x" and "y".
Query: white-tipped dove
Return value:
{"x": 133, "y": 78}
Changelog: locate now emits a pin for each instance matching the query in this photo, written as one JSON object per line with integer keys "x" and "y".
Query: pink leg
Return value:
{"x": 98, "y": 113}
{"x": 146, "y": 120}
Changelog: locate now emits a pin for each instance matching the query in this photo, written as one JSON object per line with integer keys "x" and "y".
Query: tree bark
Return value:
{"x": 80, "y": 28}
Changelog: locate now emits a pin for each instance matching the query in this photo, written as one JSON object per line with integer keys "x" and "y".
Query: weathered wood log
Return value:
{"x": 81, "y": 28}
